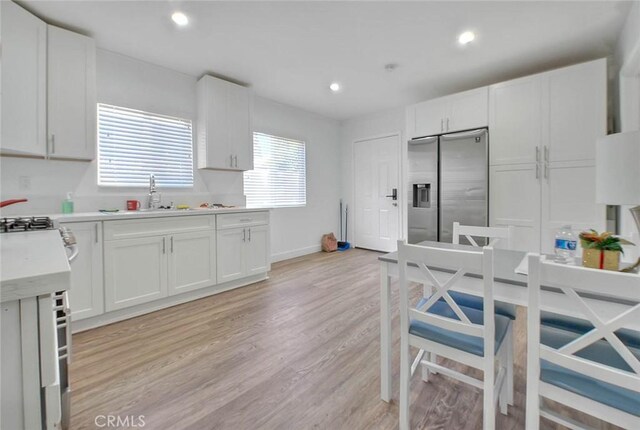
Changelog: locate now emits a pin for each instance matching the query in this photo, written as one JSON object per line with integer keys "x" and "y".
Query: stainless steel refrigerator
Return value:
{"x": 448, "y": 182}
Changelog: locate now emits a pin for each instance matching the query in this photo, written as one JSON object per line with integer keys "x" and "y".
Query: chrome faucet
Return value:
{"x": 154, "y": 195}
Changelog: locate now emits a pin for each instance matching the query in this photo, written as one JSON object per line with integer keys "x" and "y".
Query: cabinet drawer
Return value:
{"x": 245, "y": 219}
{"x": 130, "y": 229}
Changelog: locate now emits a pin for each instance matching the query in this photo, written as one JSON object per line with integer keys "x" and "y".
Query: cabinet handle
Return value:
{"x": 172, "y": 244}
{"x": 537, "y": 170}
{"x": 230, "y": 160}
{"x": 96, "y": 229}
{"x": 164, "y": 248}
{"x": 546, "y": 171}
{"x": 441, "y": 124}
{"x": 546, "y": 153}
{"x": 244, "y": 234}
{"x": 53, "y": 143}
{"x": 447, "y": 124}
{"x": 537, "y": 154}
{"x": 236, "y": 160}
{"x": 249, "y": 235}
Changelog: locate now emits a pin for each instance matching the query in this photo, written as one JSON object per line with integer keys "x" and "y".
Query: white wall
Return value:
{"x": 369, "y": 126}
{"x": 121, "y": 81}
{"x": 125, "y": 81}
{"x": 297, "y": 231}
{"x": 628, "y": 59}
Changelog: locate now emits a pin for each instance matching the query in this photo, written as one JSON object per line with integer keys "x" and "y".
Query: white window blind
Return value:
{"x": 133, "y": 144}
{"x": 279, "y": 175}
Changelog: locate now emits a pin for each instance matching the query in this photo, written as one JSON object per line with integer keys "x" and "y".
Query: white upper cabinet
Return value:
{"x": 577, "y": 110}
{"x": 224, "y": 125}
{"x": 469, "y": 109}
{"x": 461, "y": 111}
{"x": 71, "y": 101}
{"x": 515, "y": 121}
{"x": 24, "y": 77}
{"x": 552, "y": 116}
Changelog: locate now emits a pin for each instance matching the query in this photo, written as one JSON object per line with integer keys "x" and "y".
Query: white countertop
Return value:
{"x": 107, "y": 216}
{"x": 32, "y": 263}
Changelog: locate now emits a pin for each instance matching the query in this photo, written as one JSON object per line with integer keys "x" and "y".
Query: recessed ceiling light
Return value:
{"x": 466, "y": 37}
{"x": 335, "y": 87}
{"x": 180, "y": 19}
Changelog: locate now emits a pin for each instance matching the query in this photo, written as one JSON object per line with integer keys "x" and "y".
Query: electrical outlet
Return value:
{"x": 24, "y": 183}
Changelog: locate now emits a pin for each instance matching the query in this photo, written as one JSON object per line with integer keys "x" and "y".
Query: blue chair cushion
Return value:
{"x": 471, "y": 344}
{"x": 475, "y": 302}
{"x": 580, "y": 326}
{"x": 583, "y": 385}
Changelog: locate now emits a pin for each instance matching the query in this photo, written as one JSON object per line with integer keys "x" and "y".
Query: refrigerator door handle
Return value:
{"x": 441, "y": 124}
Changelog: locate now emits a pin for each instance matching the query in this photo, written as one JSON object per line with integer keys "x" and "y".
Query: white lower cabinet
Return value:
{"x": 242, "y": 251}
{"x": 192, "y": 258}
{"x": 231, "y": 249}
{"x": 257, "y": 250}
{"x": 514, "y": 199}
{"x": 86, "y": 297}
{"x": 135, "y": 271}
{"x": 568, "y": 196}
{"x": 125, "y": 263}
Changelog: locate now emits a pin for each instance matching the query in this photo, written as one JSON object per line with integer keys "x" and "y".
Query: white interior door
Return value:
{"x": 376, "y": 176}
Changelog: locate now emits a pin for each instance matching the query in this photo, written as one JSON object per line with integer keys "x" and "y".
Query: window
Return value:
{"x": 133, "y": 144}
{"x": 279, "y": 177}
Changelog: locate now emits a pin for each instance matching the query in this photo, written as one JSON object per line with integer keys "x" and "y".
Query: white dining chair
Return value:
{"x": 496, "y": 235}
{"x": 469, "y": 336}
{"x": 594, "y": 371}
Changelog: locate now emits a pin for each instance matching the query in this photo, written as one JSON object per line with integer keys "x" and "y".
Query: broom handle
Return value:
{"x": 346, "y": 223}
{"x": 341, "y": 238}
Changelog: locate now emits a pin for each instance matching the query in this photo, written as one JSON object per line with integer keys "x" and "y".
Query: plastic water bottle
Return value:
{"x": 565, "y": 245}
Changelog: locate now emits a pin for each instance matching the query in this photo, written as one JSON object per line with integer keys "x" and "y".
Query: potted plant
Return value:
{"x": 601, "y": 251}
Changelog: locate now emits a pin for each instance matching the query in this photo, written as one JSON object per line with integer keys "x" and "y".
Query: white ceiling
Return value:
{"x": 292, "y": 51}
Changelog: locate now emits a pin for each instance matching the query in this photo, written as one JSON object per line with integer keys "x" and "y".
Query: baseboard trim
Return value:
{"x": 166, "y": 302}
{"x": 295, "y": 253}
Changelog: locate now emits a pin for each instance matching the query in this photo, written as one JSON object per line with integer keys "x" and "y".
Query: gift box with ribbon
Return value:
{"x": 601, "y": 251}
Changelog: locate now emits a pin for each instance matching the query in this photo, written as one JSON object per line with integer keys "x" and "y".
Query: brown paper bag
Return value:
{"x": 329, "y": 242}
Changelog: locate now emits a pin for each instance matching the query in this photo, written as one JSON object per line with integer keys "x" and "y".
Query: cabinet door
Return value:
{"x": 86, "y": 295}
{"x": 468, "y": 110}
{"x": 24, "y": 79}
{"x": 230, "y": 254}
{"x": 135, "y": 271}
{"x": 213, "y": 142}
{"x": 515, "y": 124}
{"x": 577, "y": 110}
{"x": 71, "y": 95}
{"x": 514, "y": 199}
{"x": 430, "y": 117}
{"x": 257, "y": 250}
{"x": 568, "y": 198}
{"x": 192, "y": 261}
{"x": 239, "y": 126}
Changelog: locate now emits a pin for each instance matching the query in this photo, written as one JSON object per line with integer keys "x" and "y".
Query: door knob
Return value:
{"x": 394, "y": 194}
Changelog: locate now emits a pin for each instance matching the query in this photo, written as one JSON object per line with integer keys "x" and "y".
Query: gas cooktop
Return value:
{"x": 17, "y": 224}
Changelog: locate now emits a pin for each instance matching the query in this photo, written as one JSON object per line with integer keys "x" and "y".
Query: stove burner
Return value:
{"x": 10, "y": 225}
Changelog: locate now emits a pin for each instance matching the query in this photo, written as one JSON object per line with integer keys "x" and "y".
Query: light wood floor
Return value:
{"x": 298, "y": 351}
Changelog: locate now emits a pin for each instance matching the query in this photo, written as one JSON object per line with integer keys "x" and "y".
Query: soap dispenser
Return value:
{"x": 67, "y": 204}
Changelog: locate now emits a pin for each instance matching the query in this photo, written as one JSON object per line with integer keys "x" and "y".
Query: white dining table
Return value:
{"x": 509, "y": 287}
